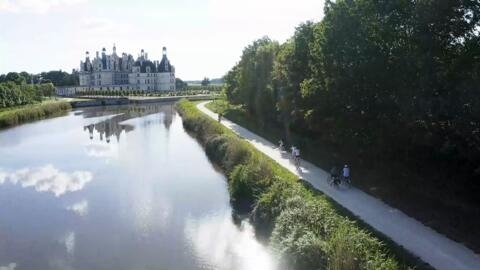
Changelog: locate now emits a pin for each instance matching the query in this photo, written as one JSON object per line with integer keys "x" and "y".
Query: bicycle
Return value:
{"x": 280, "y": 146}
{"x": 296, "y": 161}
{"x": 334, "y": 180}
{"x": 346, "y": 181}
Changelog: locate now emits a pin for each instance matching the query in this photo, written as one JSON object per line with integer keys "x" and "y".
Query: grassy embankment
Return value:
{"x": 21, "y": 114}
{"x": 303, "y": 226}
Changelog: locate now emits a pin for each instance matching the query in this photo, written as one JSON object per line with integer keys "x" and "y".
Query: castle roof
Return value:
{"x": 144, "y": 64}
{"x": 164, "y": 65}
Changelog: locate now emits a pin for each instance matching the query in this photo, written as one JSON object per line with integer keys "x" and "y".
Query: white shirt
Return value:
{"x": 346, "y": 172}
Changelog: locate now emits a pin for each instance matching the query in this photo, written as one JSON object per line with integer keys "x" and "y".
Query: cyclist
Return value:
{"x": 346, "y": 173}
{"x": 280, "y": 145}
{"x": 297, "y": 157}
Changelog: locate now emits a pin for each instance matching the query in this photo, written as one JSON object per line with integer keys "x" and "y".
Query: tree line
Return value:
{"x": 12, "y": 94}
{"x": 396, "y": 80}
{"x": 56, "y": 77}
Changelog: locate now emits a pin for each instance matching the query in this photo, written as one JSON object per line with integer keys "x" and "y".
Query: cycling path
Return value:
{"x": 432, "y": 247}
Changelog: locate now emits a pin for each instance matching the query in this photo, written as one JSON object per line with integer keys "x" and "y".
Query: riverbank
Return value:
{"x": 304, "y": 227}
{"x": 435, "y": 207}
{"x": 22, "y": 114}
{"x": 91, "y": 101}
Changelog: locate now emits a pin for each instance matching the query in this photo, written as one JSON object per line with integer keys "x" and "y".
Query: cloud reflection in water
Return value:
{"x": 80, "y": 208}
{"x": 47, "y": 179}
{"x": 69, "y": 242}
{"x": 221, "y": 244}
{"x": 10, "y": 266}
{"x": 101, "y": 150}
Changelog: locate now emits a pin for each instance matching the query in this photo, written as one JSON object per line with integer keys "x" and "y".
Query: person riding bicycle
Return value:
{"x": 346, "y": 173}
{"x": 297, "y": 156}
{"x": 280, "y": 145}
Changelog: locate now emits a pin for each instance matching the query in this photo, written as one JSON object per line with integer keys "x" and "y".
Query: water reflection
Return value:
{"x": 80, "y": 208}
{"x": 217, "y": 241}
{"x": 101, "y": 150}
{"x": 120, "y": 123}
{"x": 10, "y": 266}
{"x": 153, "y": 199}
{"x": 47, "y": 179}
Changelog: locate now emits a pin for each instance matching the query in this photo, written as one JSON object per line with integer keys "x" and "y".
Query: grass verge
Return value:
{"x": 19, "y": 115}
{"x": 303, "y": 226}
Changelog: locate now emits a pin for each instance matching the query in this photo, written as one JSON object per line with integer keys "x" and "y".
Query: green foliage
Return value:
{"x": 57, "y": 78}
{"x": 61, "y": 78}
{"x": 29, "y": 113}
{"x": 180, "y": 84}
{"x": 205, "y": 81}
{"x": 12, "y": 94}
{"x": 304, "y": 228}
{"x": 391, "y": 82}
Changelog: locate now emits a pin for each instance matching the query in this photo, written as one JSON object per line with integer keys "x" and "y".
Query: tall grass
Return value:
{"x": 303, "y": 227}
{"x": 29, "y": 113}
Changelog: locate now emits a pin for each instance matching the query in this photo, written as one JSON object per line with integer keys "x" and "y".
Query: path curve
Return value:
{"x": 432, "y": 247}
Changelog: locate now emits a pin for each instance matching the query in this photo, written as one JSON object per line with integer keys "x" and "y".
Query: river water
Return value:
{"x": 117, "y": 188}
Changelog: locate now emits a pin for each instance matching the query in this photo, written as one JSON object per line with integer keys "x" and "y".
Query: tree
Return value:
{"x": 15, "y": 77}
{"x": 205, "y": 81}
{"x": 180, "y": 84}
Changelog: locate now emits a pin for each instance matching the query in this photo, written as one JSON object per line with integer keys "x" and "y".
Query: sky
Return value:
{"x": 204, "y": 38}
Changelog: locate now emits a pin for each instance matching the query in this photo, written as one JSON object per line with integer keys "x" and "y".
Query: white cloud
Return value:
{"x": 47, "y": 179}
{"x": 102, "y": 31}
{"x": 10, "y": 266}
{"x": 276, "y": 18}
{"x": 80, "y": 208}
{"x": 97, "y": 24}
{"x": 34, "y": 6}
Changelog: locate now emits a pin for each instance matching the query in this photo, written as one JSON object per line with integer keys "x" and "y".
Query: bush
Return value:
{"x": 35, "y": 112}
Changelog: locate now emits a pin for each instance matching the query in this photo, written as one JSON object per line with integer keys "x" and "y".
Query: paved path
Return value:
{"x": 432, "y": 247}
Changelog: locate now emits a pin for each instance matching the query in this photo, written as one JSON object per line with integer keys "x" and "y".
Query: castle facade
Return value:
{"x": 123, "y": 72}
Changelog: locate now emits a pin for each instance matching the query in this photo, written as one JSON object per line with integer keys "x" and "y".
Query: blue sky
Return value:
{"x": 203, "y": 37}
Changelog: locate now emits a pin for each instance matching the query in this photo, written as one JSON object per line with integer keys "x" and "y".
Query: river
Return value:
{"x": 117, "y": 188}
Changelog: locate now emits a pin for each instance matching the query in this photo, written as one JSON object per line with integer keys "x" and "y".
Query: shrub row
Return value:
{"x": 32, "y": 112}
{"x": 304, "y": 228}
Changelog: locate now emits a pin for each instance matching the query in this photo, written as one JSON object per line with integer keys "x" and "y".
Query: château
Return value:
{"x": 123, "y": 72}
